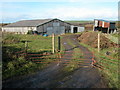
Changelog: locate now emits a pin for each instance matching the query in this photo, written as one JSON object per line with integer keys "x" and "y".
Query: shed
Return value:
{"x": 42, "y": 26}
{"x": 104, "y": 26}
{"x": 76, "y": 29}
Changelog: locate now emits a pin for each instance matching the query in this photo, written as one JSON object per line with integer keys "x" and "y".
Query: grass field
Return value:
{"x": 14, "y": 65}
{"x": 74, "y": 62}
{"x": 35, "y": 42}
{"x": 79, "y": 21}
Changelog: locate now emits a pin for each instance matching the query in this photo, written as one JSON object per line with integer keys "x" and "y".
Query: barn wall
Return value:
{"x": 72, "y": 28}
{"x": 18, "y": 30}
{"x": 55, "y": 26}
{"x": 40, "y": 28}
{"x": 81, "y": 29}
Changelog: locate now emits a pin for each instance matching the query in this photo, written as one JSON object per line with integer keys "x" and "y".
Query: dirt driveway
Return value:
{"x": 52, "y": 76}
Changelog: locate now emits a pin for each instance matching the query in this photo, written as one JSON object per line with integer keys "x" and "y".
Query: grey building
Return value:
{"x": 43, "y": 26}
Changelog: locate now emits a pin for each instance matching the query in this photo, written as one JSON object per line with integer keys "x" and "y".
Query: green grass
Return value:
{"x": 113, "y": 37}
{"x": 77, "y": 54}
{"x": 36, "y": 43}
{"x": 80, "y": 21}
{"x": 0, "y": 68}
{"x": 16, "y": 66}
{"x": 75, "y": 61}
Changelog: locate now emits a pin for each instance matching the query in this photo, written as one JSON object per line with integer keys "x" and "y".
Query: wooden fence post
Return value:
{"x": 108, "y": 31}
{"x": 53, "y": 43}
{"x": 26, "y": 46}
{"x": 59, "y": 45}
{"x": 98, "y": 42}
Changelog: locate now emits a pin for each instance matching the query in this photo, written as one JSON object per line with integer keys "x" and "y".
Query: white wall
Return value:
{"x": 103, "y": 24}
{"x": 72, "y": 28}
{"x": 80, "y": 29}
{"x": 96, "y": 23}
{"x": 18, "y": 30}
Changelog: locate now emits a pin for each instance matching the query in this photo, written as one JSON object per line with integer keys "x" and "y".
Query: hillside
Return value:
{"x": 80, "y": 23}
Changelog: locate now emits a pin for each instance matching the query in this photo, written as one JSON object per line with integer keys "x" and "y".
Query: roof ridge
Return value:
{"x": 33, "y": 22}
{"x": 38, "y": 19}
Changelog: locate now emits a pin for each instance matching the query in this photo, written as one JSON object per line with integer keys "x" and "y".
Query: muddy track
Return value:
{"x": 86, "y": 76}
{"x": 52, "y": 76}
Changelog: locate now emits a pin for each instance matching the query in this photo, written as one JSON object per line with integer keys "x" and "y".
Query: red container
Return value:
{"x": 100, "y": 23}
{"x": 106, "y": 24}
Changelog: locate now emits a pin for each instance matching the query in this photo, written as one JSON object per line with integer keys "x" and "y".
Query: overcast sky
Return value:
{"x": 15, "y": 10}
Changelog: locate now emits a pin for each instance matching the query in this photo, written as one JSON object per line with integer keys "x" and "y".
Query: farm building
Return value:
{"x": 42, "y": 26}
{"x": 76, "y": 29}
{"x": 104, "y": 26}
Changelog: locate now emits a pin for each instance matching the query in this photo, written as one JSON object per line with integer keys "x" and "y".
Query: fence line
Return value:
{"x": 105, "y": 64}
{"x": 22, "y": 53}
{"x": 110, "y": 61}
{"x": 104, "y": 68}
{"x": 59, "y": 57}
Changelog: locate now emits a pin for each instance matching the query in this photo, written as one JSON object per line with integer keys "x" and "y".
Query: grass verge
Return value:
{"x": 75, "y": 61}
{"x": 109, "y": 64}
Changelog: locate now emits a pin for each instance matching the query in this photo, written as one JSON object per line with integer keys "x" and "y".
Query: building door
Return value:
{"x": 75, "y": 30}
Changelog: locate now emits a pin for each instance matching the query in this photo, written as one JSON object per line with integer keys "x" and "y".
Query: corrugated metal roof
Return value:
{"x": 105, "y": 20}
{"x": 102, "y": 20}
{"x": 28, "y": 23}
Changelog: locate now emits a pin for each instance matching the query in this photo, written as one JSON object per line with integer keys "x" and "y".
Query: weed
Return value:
{"x": 15, "y": 64}
{"x": 10, "y": 39}
{"x": 110, "y": 64}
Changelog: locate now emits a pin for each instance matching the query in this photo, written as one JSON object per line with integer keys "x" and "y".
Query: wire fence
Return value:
{"x": 107, "y": 63}
{"x": 102, "y": 63}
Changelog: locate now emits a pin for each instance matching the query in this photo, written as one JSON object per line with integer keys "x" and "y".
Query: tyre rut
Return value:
{"x": 84, "y": 77}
